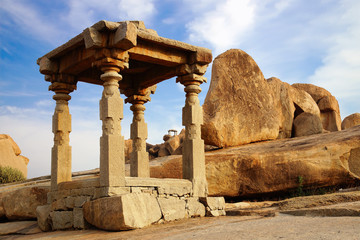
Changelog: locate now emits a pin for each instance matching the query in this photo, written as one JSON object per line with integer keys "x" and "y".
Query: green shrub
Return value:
{"x": 9, "y": 175}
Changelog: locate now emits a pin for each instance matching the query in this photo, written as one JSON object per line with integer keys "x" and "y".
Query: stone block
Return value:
{"x": 92, "y": 38}
{"x": 79, "y": 220}
{"x": 110, "y": 191}
{"x": 79, "y": 184}
{"x": 62, "y": 219}
{"x": 59, "y": 204}
{"x": 127, "y": 211}
{"x": 195, "y": 208}
{"x": 215, "y": 206}
{"x": 126, "y": 35}
{"x": 43, "y": 217}
{"x": 82, "y": 192}
{"x": 80, "y": 201}
{"x": 172, "y": 208}
{"x": 214, "y": 203}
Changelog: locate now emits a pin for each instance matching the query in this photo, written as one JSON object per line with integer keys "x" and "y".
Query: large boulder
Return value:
{"x": 21, "y": 203}
{"x": 10, "y": 154}
{"x": 307, "y": 124}
{"x": 239, "y": 106}
{"x": 351, "y": 121}
{"x": 321, "y": 160}
{"x": 328, "y": 105}
{"x": 123, "y": 212}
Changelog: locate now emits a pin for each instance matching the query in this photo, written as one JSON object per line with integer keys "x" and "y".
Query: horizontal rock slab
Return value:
{"x": 336, "y": 210}
{"x": 321, "y": 160}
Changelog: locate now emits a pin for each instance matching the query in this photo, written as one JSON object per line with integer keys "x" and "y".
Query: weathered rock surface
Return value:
{"x": 351, "y": 121}
{"x": 307, "y": 124}
{"x": 10, "y": 154}
{"x": 172, "y": 144}
{"x": 328, "y": 105}
{"x": 239, "y": 106}
{"x": 284, "y": 106}
{"x": 321, "y": 160}
{"x": 127, "y": 211}
{"x": 128, "y": 148}
{"x": 21, "y": 204}
{"x": 291, "y": 102}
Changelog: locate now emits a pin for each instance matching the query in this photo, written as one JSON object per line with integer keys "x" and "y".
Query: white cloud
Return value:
{"x": 31, "y": 21}
{"x": 223, "y": 26}
{"x": 340, "y": 69}
{"x": 84, "y": 13}
{"x": 58, "y": 26}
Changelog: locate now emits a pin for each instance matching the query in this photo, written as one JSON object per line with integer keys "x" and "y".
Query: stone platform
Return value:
{"x": 84, "y": 203}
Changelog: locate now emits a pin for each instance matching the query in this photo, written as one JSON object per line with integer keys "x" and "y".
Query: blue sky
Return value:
{"x": 298, "y": 41}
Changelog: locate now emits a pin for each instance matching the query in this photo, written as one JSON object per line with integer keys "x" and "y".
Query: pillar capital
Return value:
{"x": 140, "y": 95}
{"x": 111, "y": 59}
{"x": 191, "y": 79}
{"x": 62, "y": 88}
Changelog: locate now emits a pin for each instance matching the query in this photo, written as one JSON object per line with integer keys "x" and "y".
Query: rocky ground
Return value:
{"x": 331, "y": 216}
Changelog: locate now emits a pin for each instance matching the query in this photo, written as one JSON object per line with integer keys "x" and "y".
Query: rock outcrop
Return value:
{"x": 291, "y": 102}
{"x": 10, "y": 154}
{"x": 351, "y": 121}
{"x": 239, "y": 106}
{"x": 327, "y": 159}
{"x": 328, "y": 105}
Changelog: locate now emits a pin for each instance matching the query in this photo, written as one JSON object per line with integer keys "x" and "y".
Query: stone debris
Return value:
{"x": 215, "y": 206}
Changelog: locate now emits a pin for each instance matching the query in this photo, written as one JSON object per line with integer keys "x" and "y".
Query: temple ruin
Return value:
{"x": 123, "y": 57}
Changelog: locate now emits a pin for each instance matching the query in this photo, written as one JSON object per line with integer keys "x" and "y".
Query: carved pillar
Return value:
{"x": 139, "y": 159}
{"x": 61, "y": 127}
{"x": 112, "y": 160}
{"x": 193, "y": 146}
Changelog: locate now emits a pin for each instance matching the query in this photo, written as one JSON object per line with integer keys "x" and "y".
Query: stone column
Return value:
{"x": 112, "y": 160}
{"x": 193, "y": 146}
{"x": 139, "y": 159}
{"x": 61, "y": 127}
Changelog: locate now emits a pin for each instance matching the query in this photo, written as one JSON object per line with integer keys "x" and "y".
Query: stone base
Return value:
{"x": 141, "y": 202}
